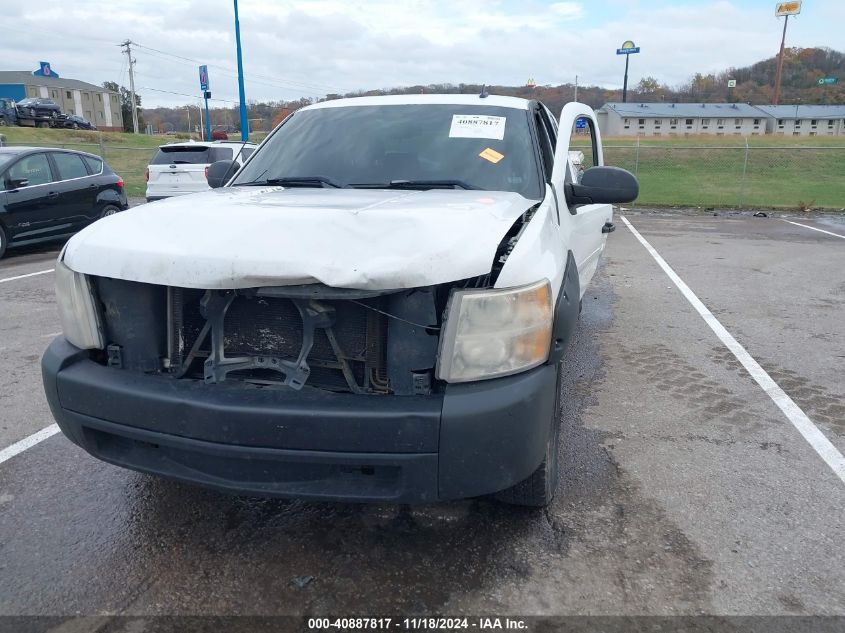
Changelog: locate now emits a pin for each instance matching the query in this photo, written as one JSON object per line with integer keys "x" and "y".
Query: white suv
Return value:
{"x": 180, "y": 168}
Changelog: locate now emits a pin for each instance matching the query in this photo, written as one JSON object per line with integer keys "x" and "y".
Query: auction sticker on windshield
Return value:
{"x": 477, "y": 126}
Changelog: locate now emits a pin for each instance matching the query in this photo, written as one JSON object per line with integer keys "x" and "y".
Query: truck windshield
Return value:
{"x": 479, "y": 147}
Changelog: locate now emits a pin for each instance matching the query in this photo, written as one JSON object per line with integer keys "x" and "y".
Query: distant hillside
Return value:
{"x": 802, "y": 68}
{"x": 755, "y": 84}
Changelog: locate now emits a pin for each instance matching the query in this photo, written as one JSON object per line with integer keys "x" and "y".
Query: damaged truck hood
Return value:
{"x": 244, "y": 237}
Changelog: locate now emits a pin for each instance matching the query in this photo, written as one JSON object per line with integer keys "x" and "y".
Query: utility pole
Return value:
{"x": 128, "y": 51}
{"x": 188, "y": 108}
{"x": 779, "y": 71}
{"x": 576, "y": 88}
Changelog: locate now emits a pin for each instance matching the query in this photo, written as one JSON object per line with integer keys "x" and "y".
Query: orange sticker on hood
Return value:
{"x": 492, "y": 155}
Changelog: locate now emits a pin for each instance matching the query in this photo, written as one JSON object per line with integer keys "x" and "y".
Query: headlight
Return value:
{"x": 77, "y": 310}
{"x": 491, "y": 333}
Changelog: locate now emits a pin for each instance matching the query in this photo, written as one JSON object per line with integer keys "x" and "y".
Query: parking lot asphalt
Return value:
{"x": 685, "y": 489}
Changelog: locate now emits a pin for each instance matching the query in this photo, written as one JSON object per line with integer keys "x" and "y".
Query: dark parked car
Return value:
{"x": 49, "y": 194}
{"x": 78, "y": 123}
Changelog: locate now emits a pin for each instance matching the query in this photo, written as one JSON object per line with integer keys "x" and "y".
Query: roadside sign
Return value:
{"x": 45, "y": 70}
{"x": 628, "y": 48}
{"x": 788, "y": 8}
{"x": 731, "y": 83}
{"x": 828, "y": 81}
{"x": 204, "y": 78}
{"x": 580, "y": 124}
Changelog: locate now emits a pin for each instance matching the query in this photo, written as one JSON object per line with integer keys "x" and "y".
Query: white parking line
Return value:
{"x": 28, "y": 442}
{"x": 40, "y": 272}
{"x": 812, "y": 228}
{"x": 792, "y": 411}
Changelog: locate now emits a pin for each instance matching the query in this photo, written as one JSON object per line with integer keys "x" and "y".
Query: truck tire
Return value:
{"x": 3, "y": 122}
{"x": 42, "y": 124}
{"x": 3, "y": 242}
{"x": 539, "y": 488}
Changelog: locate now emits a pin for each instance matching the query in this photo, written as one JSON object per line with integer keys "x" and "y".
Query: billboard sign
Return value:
{"x": 788, "y": 8}
{"x": 204, "y": 78}
{"x": 627, "y": 48}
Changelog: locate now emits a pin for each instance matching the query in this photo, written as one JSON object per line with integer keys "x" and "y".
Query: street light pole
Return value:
{"x": 241, "y": 92}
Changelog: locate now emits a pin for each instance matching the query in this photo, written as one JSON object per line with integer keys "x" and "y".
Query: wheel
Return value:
{"x": 539, "y": 488}
{"x": 109, "y": 210}
{"x": 75, "y": 126}
{"x": 3, "y": 122}
{"x": 3, "y": 242}
{"x": 42, "y": 124}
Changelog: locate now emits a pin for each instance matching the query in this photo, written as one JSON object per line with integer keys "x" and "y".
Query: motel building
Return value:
{"x": 680, "y": 119}
{"x": 805, "y": 120}
{"x": 95, "y": 103}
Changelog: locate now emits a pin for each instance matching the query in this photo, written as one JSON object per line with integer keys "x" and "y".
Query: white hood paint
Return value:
{"x": 243, "y": 237}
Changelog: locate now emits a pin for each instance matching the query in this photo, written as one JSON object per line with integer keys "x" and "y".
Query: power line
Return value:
{"x": 252, "y": 81}
{"x": 182, "y": 94}
{"x": 292, "y": 83}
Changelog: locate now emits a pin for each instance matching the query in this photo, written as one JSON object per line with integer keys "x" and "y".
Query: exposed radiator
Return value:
{"x": 269, "y": 330}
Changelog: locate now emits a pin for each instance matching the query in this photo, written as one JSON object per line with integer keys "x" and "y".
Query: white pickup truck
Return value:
{"x": 375, "y": 307}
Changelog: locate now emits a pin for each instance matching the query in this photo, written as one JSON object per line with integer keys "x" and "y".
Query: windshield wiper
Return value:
{"x": 296, "y": 181}
{"x": 416, "y": 184}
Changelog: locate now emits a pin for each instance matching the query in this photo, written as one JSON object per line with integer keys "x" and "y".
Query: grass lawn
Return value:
{"x": 706, "y": 171}
{"x": 781, "y": 172}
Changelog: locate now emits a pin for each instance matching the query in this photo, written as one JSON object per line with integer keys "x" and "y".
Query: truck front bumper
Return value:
{"x": 474, "y": 439}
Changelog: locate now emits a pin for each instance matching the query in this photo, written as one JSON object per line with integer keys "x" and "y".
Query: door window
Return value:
{"x": 69, "y": 165}
{"x": 95, "y": 165}
{"x": 34, "y": 168}
{"x": 582, "y": 145}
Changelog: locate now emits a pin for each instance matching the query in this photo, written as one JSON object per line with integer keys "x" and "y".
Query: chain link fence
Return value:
{"x": 745, "y": 177}
{"x": 688, "y": 176}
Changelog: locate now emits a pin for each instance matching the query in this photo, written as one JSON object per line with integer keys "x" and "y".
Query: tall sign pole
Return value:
{"x": 241, "y": 93}
{"x": 206, "y": 93}
{"x": 628, "y": 49}
{"x": 783, "y": 9}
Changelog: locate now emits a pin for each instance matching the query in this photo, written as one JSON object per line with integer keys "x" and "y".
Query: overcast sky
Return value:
{"x": 296, "y": 48}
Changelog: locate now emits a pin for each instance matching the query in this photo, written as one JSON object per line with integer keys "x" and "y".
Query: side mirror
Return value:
{"x": 17, "y": 183}
{"x": 218, "y": 173}
{"x": 603, "y": 185}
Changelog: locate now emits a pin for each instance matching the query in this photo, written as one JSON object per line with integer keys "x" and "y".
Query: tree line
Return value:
{"x": 803, "y": 67}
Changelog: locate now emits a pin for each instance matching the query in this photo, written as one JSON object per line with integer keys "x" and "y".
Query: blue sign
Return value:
{"x": 828, "y": 81}
{"x": 627, "y": 51}
{"x": 204, "y": 78}
{"x": 580, "y": 124}
{"x": 45, "y": 71}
